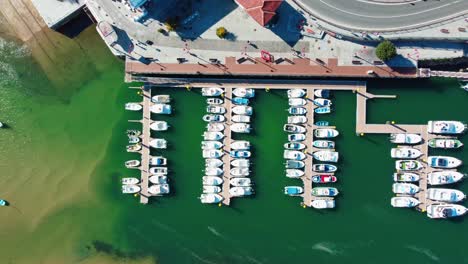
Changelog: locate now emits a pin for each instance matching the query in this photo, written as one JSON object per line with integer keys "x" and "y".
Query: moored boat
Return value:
{"x": 210, "y": 144}
{"x": 297, "y": 110}
{"x": 130, "y": 180}
{"x": 321, "y": 102}
{"x": 214, "y": 101}
{"x": 408, "y": 165}
{"x": 213, "y": 135}
{"x": 240, "y": 172}
{"x": 133, "y": 140}
{"x": 445, "y": 195}
{"x": 403, "y": 138}
{"x": 294, "y": 146}
{"x": 405, "y": 153}
{"x": 240, "y": 128}
{"x": 132, "y": 163}
{"x": 325, "y": 191}
{"x": 326, "y": 155}
{"x": 296, "y": 137}
{"x": 159, "y": 189}
{"x": 241, "y": 191}
{"x": 445, "y": 143}
{"x": 446, "y": 127}
{"x": 210, "y": 171}
{"x": 325, "y": 133}
{"x": 158, "y": 179}
{"x": 294, "y": 164}
{"x": 296, "y": 93}
{"x": 3, "y": 202}
{"x": 297, "y": 102}
{"x": 322, "y": 93}
{"x": 443, "y": 162}
{"x": 405, "y": 188}
{"x": 133, "y": 133}
{"x": 161, "y": 109}
{"x": 293, "y": 190}
{"x": 159, "y": 126}
{"x": 158, "y": 170}
{"x": 444, "y": 177}
{"x": 240, "y": 182}
{"x": 158, "y": 143}
{"x": 240, "y": 118}
{"x": 444, "y": 210}
{"x": 213, "y": 118}
{"x": 240, "y": 163}
{"x": 215, "y": 109}
{"x": 212, "y": 91}
{"x": 327, "y": 144}
{"x": 210, "y": 198}
{"x": 324, "y": 168}
{"x": 212, "y": 180}
{"x": 161, "y": 99}
{"x": 404, "y": 201}
{"x": 212, "y": 153}
{"x": 242, "y": 110}
{"x": 240, "y": 154}
{"x": 297, "y": 119}
{"x": 294, "y": 128}
{"x": 322, "y": 110}
{"x": 130, "y": 188}
{"x": 134, "y": 148}
{"x": 133, "y": 106}
{"x": 294, "y": 155}
{"x": 240, "y": 145}
{"x": 405, "y": 177}
{"x": 213, "y": 163}
{"x": 326, "y": 178}
{"x": 294, "y": 173}
{"x": 211, "y": 189}
{"x": 214, "y": 127}
{"x": 244, "y": 92}
{"x": 322, "y": 123}
{"x": 240, "y": 101}
{"x": 158, "y": 161}
{"x": 323, "y": 204}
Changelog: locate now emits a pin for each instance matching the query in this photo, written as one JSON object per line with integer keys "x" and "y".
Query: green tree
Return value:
{"x": 221, "y": 32}
{"x": 385, "y": 50}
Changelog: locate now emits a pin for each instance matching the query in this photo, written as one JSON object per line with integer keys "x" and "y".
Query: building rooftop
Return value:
{"x": 261, "y": 11}
{"x": 55, "y": 12}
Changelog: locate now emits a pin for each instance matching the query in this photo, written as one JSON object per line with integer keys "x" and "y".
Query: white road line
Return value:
{"x": 387, "y": 4}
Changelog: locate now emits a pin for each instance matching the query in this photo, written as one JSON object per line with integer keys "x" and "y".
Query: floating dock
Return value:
{"x": 227, "y": 104}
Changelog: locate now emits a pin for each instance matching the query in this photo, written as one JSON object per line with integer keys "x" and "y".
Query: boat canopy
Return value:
{"x": 137, "y": 3}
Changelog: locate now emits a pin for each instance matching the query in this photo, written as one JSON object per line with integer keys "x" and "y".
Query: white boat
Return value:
{"x": 1, "y": 124}
{"x": 405, "y": 177}
{"x": 404, "y": 201}
{"x": 212, "y": 153}
{"x": 294, "y": 155}
{"x": 297, "y": 102}
{"x": 240, "y": 145}
{"x": 445, "y": 143}
{"x": 325, "y": 133}
{"x": 244, "y": 92}
{"x": 325, "y": 144}
{"x": 445, "y": 210}
{"x": 133, "y": 106}
{"x": 241, "y": 191}
{"x": 211, "y": 189}
{"x": 405, "y": 188}
{"x": 408, "y": 165}
{"x": 159, "y": 189}
{"x": 158, "y": 161}
{"x": 294, "y": 173}
{"x": 296, "y": 137}
{"x": 132, "y": 163}
{"x": 321, "y": 102}
{"x": 443, "y": 162}
{"x": 297, "y": 119}
{"x": 240, "y": 154}
{"x": 214, "y": 109}
{"x": 130, "y": 180}
{"x": 293, "y": 190}
{"x": 212, "y": 91}
{"x": 444, "y": 177}
{"x": 213, "y": 163}
{"x": 294, "y": 128}
{"x": 240, "y": 128}
{"x": 240, "y": 118}
{"x": 240, "y": 182}
{"x": 242, "y": 110}
{"x": 158, "y": 179}
{"x": 296, "y": 93}
{"x": 213, "y": 135}
{"x": 402, "y": 138}
{"x": 240, "y": 172}
{"x": 327, "y": 168}
{"x": 445, "y": 195}
{"x": 158, "y": 143}
{"x": 133, "y": 140}
{"x": 130, "y": 188}
{"x": 161, "y": 109}
{"x": 240, "y": 163}
{"x": 464, "y": 87}
{"x": 294, "y": 164}
{"x": 134, "y": 148}
{"x": 158, "y": 170}
{"x": 161, "y": 99}
{"x": 159, "y": 126}
{"x": 325, "y": 191}
{"x": 405, "y": 153}
{"x": 326, "y": 155}
{"x": 214, "y": 127}
{"x": 209, "y": 171}
{"x": 297, "y": 110}
{"x": 322, "y": 93}
{"x": 212, "y": 180}
{"x": 446, "y": 127}
{"x": 211, "y": 144}
{"x": 294, "y": 146}
{"x": 209, "y": 198}
{"x": 214, "y": 101}
{"x": 322, "y": 204}
{"x": 213, "y": 118}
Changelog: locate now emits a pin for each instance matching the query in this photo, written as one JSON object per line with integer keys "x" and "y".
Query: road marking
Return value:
{"x": 388, "y": 4}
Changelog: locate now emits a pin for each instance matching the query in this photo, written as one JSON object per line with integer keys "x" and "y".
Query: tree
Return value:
{"x": 385, "y": 50}
{"x": 221, "y": 32}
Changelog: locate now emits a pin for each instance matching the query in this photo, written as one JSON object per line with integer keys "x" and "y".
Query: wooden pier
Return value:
{"x": 145, "y": 151}
{"x": 227, "y": 146}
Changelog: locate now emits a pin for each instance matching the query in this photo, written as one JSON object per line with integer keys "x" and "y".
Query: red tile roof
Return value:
{"x": 261, "y": 11}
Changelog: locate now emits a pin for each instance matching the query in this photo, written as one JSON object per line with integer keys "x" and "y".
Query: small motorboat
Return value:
{"x": 240, "y": 163}
{"x": 445, "y": 195}
{"x": 294, "y": 173}
{"x": 130, "y": 180}
{"x": 1, "y": 126}
{"x": 130, "y": 188}
{"x": 161, "y": 109}
{"x": 322, "y": 110}
{"x": 214, "y": 101}
{"x": 293, "y": 190}
{"x": 405, "y": 188}
{"x": 244, "y": 92}
{"x": 296, "y": 137}
{"x": 240, "y": 182}
{"x": 213, "y": 163}
{"x": 444, "y": 210}
{"x": 159, "y": 126}
{"x": 294, "y": 146}
{"x": 132, "y": 163}
{"x": 294, "y": 155}
{"x": 215, "y": 109}
{"x": 240, "y": 154}
{"x": 133, "y": 140}
{"x": 408, "y": 165}
{"x": 134, "y": 148}
{"x": 297, "y": 110}
{"x": 213, "y": 136}
{"x": 405, "y": 153}
{"x": 325, "y": 144}
{"x": 210, "y": 198}
{"x": 158, "y": 161}
{"x": 158, "y": 143}
{"x": 296, "y": 93}
{"x": 294, "y": 128}
{"x": 209, "y": 171}
{"x": 240, "y": 172}
{"x": 297, "y": 102}
{"x": 445, "y": 143}
{"x": 325, "y": 191}
{"x": 159, "y": 189}
{"x": 214, "y": 127}
{"x": 240, "y": 128}
{"x": 212, "y": 180}
{"x": 444, "y": 177}
{"x": 158, "y": 179}
{"x": 211, "y": 144}
{"x": 297, "y": 120}
{"x": 161, "y": 99}
{"x": 405, "y": 177}
{"x": 446, "y": 127}
{"x": 327, "y": 168}
{"x": 212, "y": 91}
{"x": 133, "y": 106}
{"x": 325, "y": 133}
{"x": 212, "y": 153}
{"x": 133, "y": 133}
{"x": 404, "y": 201}
{"x": 322, "y": 123}
{"x": 443, "y": 162}
{"x": 213, "y": 118}
{"x": 241, "y": 191}
{"x": 240, "y": 145}
{"x": 240, "y": 119}
{"x": 240, "y": 101}
{"x": 322, "y": 93}
{"x": 322, "y": 204}
{"x": 321, "y": 102}
{"x": 3, "y": 202}
{"x": 158, "y": 170}
{"x": 326, "y": 155}
{"x": 402, "y": 138}
{"x": 211, "y": 189}
{"x": 294, "y": 164}
{"x": 242, "y": 110}
{"x": 324, "y": 178}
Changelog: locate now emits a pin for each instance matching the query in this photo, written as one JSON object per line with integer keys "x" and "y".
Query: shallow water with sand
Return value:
{"x": 61, "y": 160}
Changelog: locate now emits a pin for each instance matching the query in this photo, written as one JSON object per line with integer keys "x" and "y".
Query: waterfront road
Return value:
{"x": 384, "y": 14}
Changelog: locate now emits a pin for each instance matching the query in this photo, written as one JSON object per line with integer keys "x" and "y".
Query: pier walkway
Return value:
{"x": 227, "y": 146}
{"x": 145, "y": 151}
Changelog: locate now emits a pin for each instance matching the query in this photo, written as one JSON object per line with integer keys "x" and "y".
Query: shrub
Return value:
{"x": 171, "y": 24}
{"x": 221, "y": 32}
{"x": 385, "y": 50}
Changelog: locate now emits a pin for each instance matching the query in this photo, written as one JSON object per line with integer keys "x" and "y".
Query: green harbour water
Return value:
{"x": 61, "y": 160}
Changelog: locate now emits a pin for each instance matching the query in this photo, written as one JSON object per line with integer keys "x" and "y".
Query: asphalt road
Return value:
{"x": 368, "y": 15}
